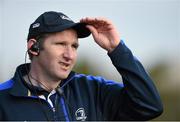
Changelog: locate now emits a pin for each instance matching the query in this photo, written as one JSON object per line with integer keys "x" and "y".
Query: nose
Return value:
{"x": 68, "y": 53}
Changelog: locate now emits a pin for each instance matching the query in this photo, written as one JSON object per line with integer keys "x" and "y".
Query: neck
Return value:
{"x": 37, "y": 78}
{"x": 47, "y": 85}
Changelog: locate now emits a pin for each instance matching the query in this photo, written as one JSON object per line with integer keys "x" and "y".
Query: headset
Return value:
{"x": 35, "y": 47}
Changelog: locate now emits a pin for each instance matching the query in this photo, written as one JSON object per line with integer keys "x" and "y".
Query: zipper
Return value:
{"x": 54, "y": 113}
{"x": 59, "y": 98}
{"x": 55, "y": 107}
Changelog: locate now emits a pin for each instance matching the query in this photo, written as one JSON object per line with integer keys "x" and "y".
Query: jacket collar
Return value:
{"x": 20, "y": 89}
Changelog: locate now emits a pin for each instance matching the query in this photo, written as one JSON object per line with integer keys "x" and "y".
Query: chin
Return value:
{"x": 64, "y": 75}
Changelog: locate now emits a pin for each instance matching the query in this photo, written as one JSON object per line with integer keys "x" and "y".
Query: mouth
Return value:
{"x": 64, "y": 65}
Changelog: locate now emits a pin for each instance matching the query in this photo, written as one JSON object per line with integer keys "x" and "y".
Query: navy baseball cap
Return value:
{"x": 52, "y": 21}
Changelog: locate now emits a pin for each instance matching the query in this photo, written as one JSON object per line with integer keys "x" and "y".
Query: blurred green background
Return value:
{"x": 150, "y": 28}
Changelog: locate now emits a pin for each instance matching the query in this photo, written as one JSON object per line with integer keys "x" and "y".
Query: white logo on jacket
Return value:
{"x": 80, "y": 114}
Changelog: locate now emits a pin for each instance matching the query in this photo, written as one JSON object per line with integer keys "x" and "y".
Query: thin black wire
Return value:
{"x": 35, "y": 91}
{"x": 39, "y": 82}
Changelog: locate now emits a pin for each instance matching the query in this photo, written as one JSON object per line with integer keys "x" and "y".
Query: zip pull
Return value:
{"x": 54, "y": 109}
{"x": 55, "y": 114}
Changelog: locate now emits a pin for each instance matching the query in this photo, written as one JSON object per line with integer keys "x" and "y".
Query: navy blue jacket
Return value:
{"x": 86, "y": 97}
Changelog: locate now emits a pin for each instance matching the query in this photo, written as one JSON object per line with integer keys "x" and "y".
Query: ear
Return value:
{"x": 30, "y": 44}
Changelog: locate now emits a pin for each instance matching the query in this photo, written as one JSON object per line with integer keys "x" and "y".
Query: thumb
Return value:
{"x": 93, "y": 30}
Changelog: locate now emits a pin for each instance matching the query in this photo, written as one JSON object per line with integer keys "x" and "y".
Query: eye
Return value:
{"x": 59, "y": 43}
{"x": 75, "y": 46}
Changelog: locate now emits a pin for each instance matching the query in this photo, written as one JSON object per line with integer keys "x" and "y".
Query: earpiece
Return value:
{"x": 35, "y": 47}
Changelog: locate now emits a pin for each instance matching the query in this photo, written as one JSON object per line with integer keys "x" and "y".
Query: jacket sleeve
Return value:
{"x": 138, "y": 98}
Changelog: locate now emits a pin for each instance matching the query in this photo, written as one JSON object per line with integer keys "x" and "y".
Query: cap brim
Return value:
{"x": 81, "y": 30}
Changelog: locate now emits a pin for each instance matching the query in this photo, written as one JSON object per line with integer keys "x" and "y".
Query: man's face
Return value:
{"x": 58, "y": 55}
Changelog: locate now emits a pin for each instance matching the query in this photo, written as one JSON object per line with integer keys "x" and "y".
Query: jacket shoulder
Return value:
{"x": 6, "y": 85}
{"x": 97, "y": 80}
{"x": 89, "y": 78}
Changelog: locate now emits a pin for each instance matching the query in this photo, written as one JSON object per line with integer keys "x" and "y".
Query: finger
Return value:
{"x": 82, "y": 20}
{"x": 88, "y": 20}
{"x": 103, "y": 21}
{"x": 92, "y": 30}
{"x": 99, "y": 21}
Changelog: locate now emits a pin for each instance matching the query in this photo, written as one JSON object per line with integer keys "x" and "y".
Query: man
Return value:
{"x": 47, "y": 89}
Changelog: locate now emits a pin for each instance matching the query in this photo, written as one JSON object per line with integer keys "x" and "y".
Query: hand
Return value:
{"x": 103, "y": 31}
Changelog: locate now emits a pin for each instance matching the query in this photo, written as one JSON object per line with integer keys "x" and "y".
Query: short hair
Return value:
{"x": 40, "y": 39}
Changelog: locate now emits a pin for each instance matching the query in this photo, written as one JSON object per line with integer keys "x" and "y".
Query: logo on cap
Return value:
{"x": 65, "y": 17}
{"x": 36, "y": 25}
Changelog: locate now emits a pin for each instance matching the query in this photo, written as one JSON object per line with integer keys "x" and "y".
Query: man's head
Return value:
{"x": 52, "y": 43}
{"x": 52, "y": 21}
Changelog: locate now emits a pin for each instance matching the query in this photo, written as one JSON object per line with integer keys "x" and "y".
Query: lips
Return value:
{"x": 65, "y": 65}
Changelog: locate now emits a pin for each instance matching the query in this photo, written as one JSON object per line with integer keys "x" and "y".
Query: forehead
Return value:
{"x": 68, "y": 34}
